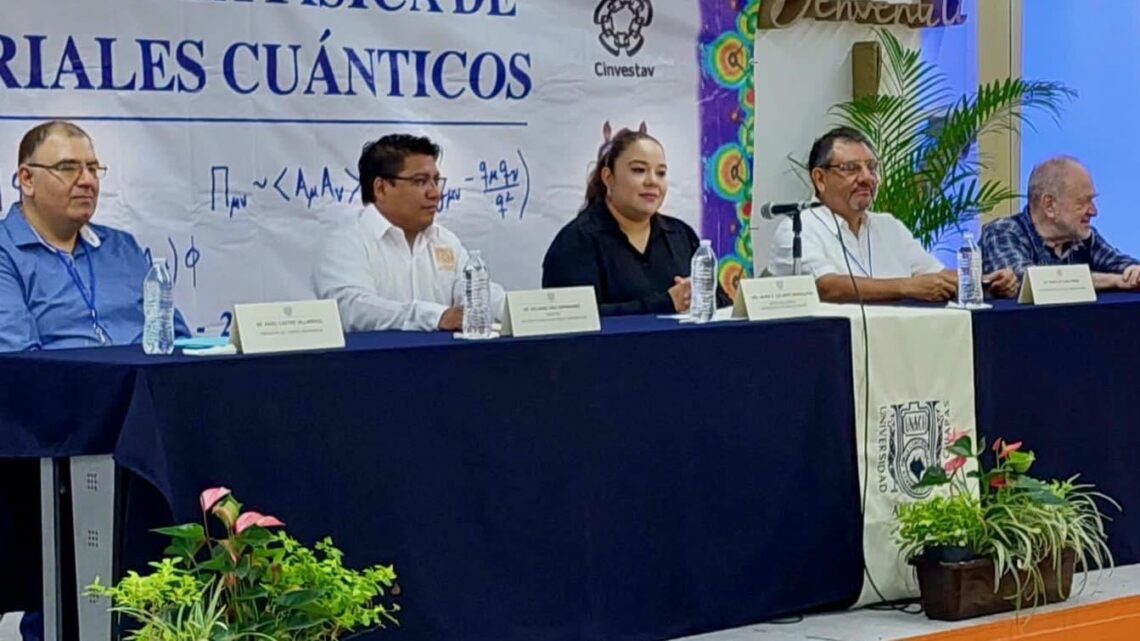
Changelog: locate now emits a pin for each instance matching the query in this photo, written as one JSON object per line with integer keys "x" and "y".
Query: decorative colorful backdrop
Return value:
{"x": 728, "y": 105}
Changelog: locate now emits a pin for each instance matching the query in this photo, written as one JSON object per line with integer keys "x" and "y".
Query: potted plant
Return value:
{"x": 924, "y": 136}
{"x": 1001, "y": 538}
{"x": 249, "y": 583}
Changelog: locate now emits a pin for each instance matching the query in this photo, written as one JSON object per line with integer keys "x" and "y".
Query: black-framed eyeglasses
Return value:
{"x": 71, "y": 170}
{"x": 422, "y": 182}
{"x": 853, "y": 167}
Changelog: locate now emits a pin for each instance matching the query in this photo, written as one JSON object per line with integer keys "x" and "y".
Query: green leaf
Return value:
{"x": 253, "y": 593}
{"x": 962, "y": 448}
{"x": 316, "y": 611}
{"x": 243, "y": 569}
{"x": 255, "y": 537}
{"x": 220, "y": 563}
{"x": 298, "y": 598}
{"x": 300, "y": 622}
{"x": 189, "y": 531}
{"x": 933, "y": 476}
{"x": 1020, "y": 462}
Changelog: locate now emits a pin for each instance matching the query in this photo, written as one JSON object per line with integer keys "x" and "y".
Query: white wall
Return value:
{"x": 800, "y": 73}
{"x": 1094, "y": 50}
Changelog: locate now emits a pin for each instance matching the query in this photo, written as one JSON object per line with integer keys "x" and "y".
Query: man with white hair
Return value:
{"x": 1055, "y": 229}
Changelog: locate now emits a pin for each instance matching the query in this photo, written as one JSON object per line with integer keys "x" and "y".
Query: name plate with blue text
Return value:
{"x": 776, "y": 297}
{"x": 265, "y": 328}
{"x": 1057, "y": 285}
{"x": 546, "y": 312}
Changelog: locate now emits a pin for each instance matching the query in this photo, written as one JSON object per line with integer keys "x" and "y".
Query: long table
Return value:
{"x": 652, "y": 480}
{"x": 649, "y": 481}
{"x": 1064, "y": 380}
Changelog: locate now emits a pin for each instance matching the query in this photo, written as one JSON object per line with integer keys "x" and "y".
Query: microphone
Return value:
{"x": 769, "y": 211}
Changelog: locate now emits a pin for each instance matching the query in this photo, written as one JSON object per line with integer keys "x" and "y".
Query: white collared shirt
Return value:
{"x": 379, "y": 282}
{"x": 884, "y": 247}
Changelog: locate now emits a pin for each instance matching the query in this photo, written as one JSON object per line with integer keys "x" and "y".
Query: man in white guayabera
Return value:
{"x": 393, "y": 266}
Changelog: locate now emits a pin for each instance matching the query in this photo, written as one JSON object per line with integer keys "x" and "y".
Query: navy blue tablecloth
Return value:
{"x": 649, "y": 481}
{"x": 1063, "y": 380}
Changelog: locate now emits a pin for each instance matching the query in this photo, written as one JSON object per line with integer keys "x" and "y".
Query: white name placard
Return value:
{"x": 1057, "y": 284}
{"x": 543, "y": 312}
{"x": 779, "y": 297}
{"x": 264, "y": 328}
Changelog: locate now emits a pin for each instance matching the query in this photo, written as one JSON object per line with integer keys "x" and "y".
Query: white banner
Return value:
{"x": 232, "y": 128}
{"x": 921, "y": 372}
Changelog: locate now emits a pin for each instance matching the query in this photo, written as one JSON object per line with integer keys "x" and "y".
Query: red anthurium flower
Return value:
{"x": 1009, "y": 449}
{"x": 955, "y": 464}
{"x": 997, "y": 482}
{"x": 250, "y": 519}
{"x": 211, "y": 496}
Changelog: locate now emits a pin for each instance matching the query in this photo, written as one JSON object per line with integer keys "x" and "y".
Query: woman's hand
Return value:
{"x": 682, "y": 293}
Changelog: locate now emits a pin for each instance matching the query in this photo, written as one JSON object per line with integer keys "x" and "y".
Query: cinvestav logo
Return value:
{"x": 622, "y": 22}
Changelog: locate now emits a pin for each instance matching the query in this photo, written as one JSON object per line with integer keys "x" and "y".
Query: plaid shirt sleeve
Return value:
{"x": 1106, "y": 258}
{"x": 1004, "y": 245}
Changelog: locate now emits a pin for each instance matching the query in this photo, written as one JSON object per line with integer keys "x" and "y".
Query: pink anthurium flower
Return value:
{"x": 955, "y": 464}
{"x": 1009, "y": 448}
{"x": 211, "y": 496}
{"x": 250, "y": 519}
{"x": 997, "y": 444}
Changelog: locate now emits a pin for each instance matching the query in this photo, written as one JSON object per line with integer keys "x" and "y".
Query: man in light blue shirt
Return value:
{"x": 65, "y": 282}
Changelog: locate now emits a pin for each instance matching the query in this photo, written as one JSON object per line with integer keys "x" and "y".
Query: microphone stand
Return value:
{"x": 797, "y": 246}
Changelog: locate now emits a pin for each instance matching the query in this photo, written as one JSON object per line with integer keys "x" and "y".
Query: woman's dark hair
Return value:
{"x": 607, "y": 154}
{"x": 384, "y": 158}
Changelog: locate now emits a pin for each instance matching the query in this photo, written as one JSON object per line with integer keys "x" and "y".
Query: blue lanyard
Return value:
{"x": 69, "y": 264}
{"x": 869, "y": 271}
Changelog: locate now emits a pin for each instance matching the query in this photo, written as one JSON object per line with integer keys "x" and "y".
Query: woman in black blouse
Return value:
{"x": 636, "y": 258}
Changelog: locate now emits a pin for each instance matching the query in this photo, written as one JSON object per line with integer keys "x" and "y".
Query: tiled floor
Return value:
{"x": 870, "y": 625}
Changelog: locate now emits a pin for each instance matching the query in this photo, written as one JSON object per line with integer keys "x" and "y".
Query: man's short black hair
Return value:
{"x": 384, "y": 158}
{"x": 820, "y": 155}
{"x": 38, "y": 134}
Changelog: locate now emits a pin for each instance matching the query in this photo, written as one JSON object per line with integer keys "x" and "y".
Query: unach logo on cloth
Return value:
{"x": 910, "y": 440}
{"x": 622, "y": 22}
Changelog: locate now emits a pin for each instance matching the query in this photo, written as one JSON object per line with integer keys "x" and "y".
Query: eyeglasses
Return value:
{"x": 422, "y": 182}
{"x": 70, "y": 170}
{"x": 853, "y": 167}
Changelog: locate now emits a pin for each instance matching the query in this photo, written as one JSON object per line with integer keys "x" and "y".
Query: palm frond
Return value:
{"x": 926, "y": 138}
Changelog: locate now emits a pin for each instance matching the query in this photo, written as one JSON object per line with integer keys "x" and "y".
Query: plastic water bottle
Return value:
{"x": 158, "y": 309}
{"x": 969, "y": 273}
{"x": 476, "y": 297}
{"x": 703, "y": 278}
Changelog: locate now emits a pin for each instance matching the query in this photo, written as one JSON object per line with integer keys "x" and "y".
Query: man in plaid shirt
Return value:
{"x": 1054, "y": 229}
